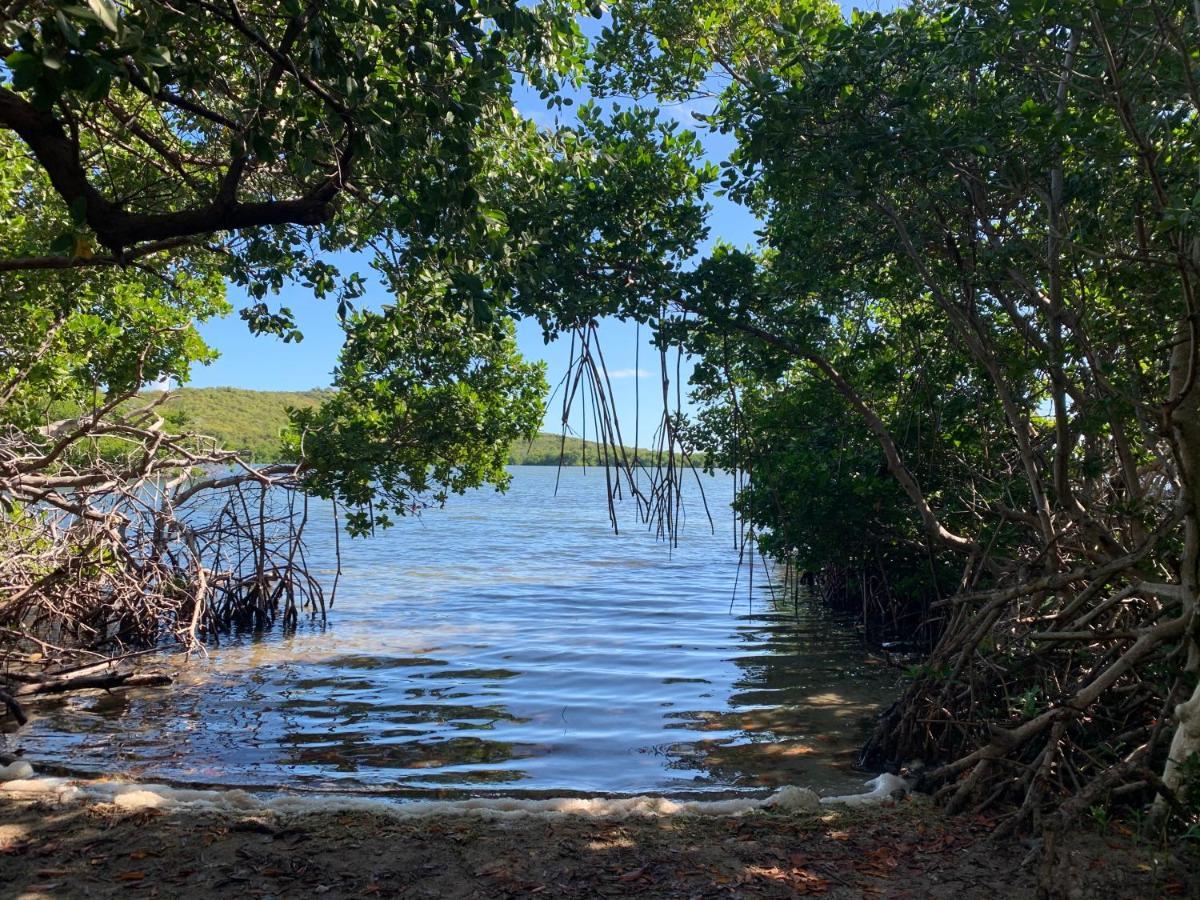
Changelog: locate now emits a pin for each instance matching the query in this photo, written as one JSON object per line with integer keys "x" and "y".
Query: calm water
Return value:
{"x": 508, "y": 643}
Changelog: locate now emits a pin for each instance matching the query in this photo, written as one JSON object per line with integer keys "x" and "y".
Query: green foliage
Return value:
{"x": 249, "y": 144}
{"x": 680, "y": 50}
{"x": 1101, "y": 816}
{"x": 271, "y": 100}
{"x": 267, "y": 145}
{"x": 551, "y": 450}
{"x": 965, "y": 351}
{"x": 902, "y": 165}
{"x": 1189, "y": 797}
{"x": 69, "y": 338}
{"x": 416, "y": 415}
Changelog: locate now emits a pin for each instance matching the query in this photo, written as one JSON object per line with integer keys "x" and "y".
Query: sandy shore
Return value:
{"x": 87, "y": 849}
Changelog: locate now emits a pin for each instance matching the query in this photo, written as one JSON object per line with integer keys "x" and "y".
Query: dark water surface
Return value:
{"x": 510, "y": 643}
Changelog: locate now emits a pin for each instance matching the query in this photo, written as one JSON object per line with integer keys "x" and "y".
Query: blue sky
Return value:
{"x": 265, "y": 363}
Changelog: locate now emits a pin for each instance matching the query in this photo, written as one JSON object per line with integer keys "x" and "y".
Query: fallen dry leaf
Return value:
{"x": 882, "y": 856}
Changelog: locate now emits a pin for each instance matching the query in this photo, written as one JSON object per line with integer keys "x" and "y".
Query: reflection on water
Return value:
{"x": 514, "y": 643}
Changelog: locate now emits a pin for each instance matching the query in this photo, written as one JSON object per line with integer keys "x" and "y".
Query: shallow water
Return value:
{"x": 509, "y": 643}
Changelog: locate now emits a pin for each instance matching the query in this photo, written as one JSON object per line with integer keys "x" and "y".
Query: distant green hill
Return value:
{"x": 249, "y": 421}
{"x": 252, "y": 421}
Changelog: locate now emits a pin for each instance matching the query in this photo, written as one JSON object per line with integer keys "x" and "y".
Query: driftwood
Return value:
{"x": 93, "y": 682}
{"x": 68, "y": 683}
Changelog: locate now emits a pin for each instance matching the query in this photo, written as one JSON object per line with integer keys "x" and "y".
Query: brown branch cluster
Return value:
{"x": 171, "y": 541}
{"x": 1066, "y": 680}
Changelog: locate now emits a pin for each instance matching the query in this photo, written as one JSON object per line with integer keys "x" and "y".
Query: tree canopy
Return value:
{"x": 382, "y": 130}
{"x": 965, "y": 353}
{"x": 959, "y": 370}
{"x": 158, "y": 155}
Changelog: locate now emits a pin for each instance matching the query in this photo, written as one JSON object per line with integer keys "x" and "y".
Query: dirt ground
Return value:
{"x": 909, "y": 850}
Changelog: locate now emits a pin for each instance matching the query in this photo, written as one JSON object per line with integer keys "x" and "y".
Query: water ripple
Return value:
{"x": 512, "y": 643}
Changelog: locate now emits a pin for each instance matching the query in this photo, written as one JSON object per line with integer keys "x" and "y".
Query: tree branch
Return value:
{"x": 118, "y": 229}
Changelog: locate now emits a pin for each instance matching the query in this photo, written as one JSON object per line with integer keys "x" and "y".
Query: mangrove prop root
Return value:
{"x": 177, "y": 542}
{"x": 1048, "y": 714}
{"x": 13, "y": 707}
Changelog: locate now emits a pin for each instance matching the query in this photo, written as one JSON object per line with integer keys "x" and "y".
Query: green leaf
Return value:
{"x": 483, "y": 310}
{"x": 468, "y": 283}
{"x": 78, "y": 209}
{"x": 158, "y": 57}
{"x": 99, "y": 87}
{"x": 25, "y": 68}
{"x": 106, "y": 13}
{"x": 64, "y": 243}
{"x": 81, "y": 12}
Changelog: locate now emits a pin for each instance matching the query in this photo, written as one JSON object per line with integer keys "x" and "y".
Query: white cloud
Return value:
{"x": 628, "y": 373}
{"x": 682, "y": 112}
{"x": 543, "y": 118}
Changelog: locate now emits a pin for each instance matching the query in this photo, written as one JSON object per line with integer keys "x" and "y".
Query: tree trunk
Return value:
{"x": 1184, "y": 424}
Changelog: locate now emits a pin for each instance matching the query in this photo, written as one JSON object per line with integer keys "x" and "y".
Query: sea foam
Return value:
{"x": 156, "y": 796}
